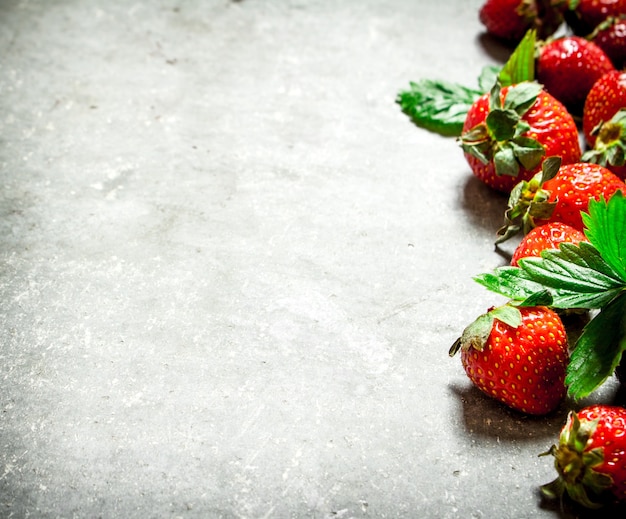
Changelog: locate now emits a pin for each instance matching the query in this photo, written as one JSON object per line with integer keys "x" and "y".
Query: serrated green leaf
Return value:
{"x": 598, "y": 350}
{"x": 501, "y": 124}
{"x": 521, "y": 64}
{"x": 510, "y": 282}
{"x": 528, "y": 152}
{"x": 606, "y": 229}
{"x": 504, "y": 161}
{"x": 571, "y": 278}
{"x": 438, "y": 106}
{"x": 522, "y": 96}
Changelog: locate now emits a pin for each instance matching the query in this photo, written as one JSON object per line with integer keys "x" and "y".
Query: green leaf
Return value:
{"x": 606, "y": 230}
{"x": 598, "y": 350}
{"x": 438, "y": 106}
{"x": 528, "y": 152}
{"x": 522, "y": 96}
{"x": 521, "y": 64}
{"x": 571, "y": 276}
{"x": 510, "y": 282}
{"x": 505, "y": 163}
{"x": 501, "y": 124}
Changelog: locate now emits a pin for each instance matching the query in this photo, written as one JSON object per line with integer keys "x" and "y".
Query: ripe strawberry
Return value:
{"x": 591, "y": 456}
{"x": 510, "y": 19}
{"x": 606, "y": 97}
{"x": 572, "y": 188}
{"x": 547, "y": 236}
{"x": 569, "y": 66}
{"x": 558, "y": 194}
{"x": 508, "y": 132}
{"x": 610, "y": 36}
{"x": 517, "y": 356}
{"x": 588, "y": 14}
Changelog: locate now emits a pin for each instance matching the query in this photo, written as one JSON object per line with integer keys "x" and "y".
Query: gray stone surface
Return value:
{"x": 231, "y": 268}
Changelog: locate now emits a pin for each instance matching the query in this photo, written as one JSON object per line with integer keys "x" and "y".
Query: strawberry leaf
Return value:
{"x": 598, "y": 350}
{"x": 502, "y": 123}
{"x": 576, "y": 276}
{"x": 510, "y": 282}
{"x": 522, "y": 96}
{"x": 521, "y": 64}
{"x": 606, "y": 230}
{"x": 438, "y": 106}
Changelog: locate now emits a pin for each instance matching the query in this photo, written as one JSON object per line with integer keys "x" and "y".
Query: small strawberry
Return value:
{"x": 558, "y": 194}
{"x": 517, "y": 356}
{"x": 606, "y": 97}
{"x": 547, "y": 236}
{"x": 569, "y": 66}
{"x": 590, "y": 457}
{"x": 610, "y": 36}
{"x": 588, "y": 14}
{"x": 509, "y": 20}
{"x": 508, "y": 132}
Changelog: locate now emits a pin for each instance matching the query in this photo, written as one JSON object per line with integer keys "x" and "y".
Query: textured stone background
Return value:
{"x": 231, "y": 268}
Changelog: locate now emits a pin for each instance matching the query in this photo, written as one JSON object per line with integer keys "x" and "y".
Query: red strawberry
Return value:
{"x": 606, "y": 97}
{"x": 517, "y": 356}
{"x": 591, "y": 457}
{"x": 569, "y": 66}
{"x": 588, "y": 14}
{"x": 510, "y": 19}
{"x": 547, "y": 236}
{"x": 610, "y": 36}
{"x": 508, "y": 132}
{"x": 572, "y": 188}
{"x": 558, "y": 194}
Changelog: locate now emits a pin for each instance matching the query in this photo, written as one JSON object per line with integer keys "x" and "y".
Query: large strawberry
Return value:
{"x": 558, "y": 194}
{"x": 590, "y": 457}
{"x": 544, "y": 237}
{"x": 510, "y": 130}
{"x": 509, "y": 20}
{"x": 517, "y": 356}
{"x": 569, "y": 66}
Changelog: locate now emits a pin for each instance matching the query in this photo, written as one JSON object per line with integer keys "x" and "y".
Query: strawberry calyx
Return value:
{"x": 528, "y": 201}
{"x": 500, "y": 138}
{"x": 610, "y": 146}
{"x": 575, "y": 465}
{"x": 477, "y": 333}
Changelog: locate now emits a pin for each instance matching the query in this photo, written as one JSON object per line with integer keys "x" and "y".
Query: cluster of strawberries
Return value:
{"x": 523, "y": 137}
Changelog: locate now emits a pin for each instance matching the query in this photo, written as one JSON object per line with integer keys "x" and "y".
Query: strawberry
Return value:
{"x": 590, "y": 457}
{"x": 606, "y": 97}
{"x": 588, "y": 14}
{"x": 508, "y": 132}
{"x": 547, "y": 236}
{"x": 569, "y": 66}
{"x": 509, "y": 20}
{"x": 558, "y": 194}
{"x": 610, "y": 36}
{"x": 517, "y": 356}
